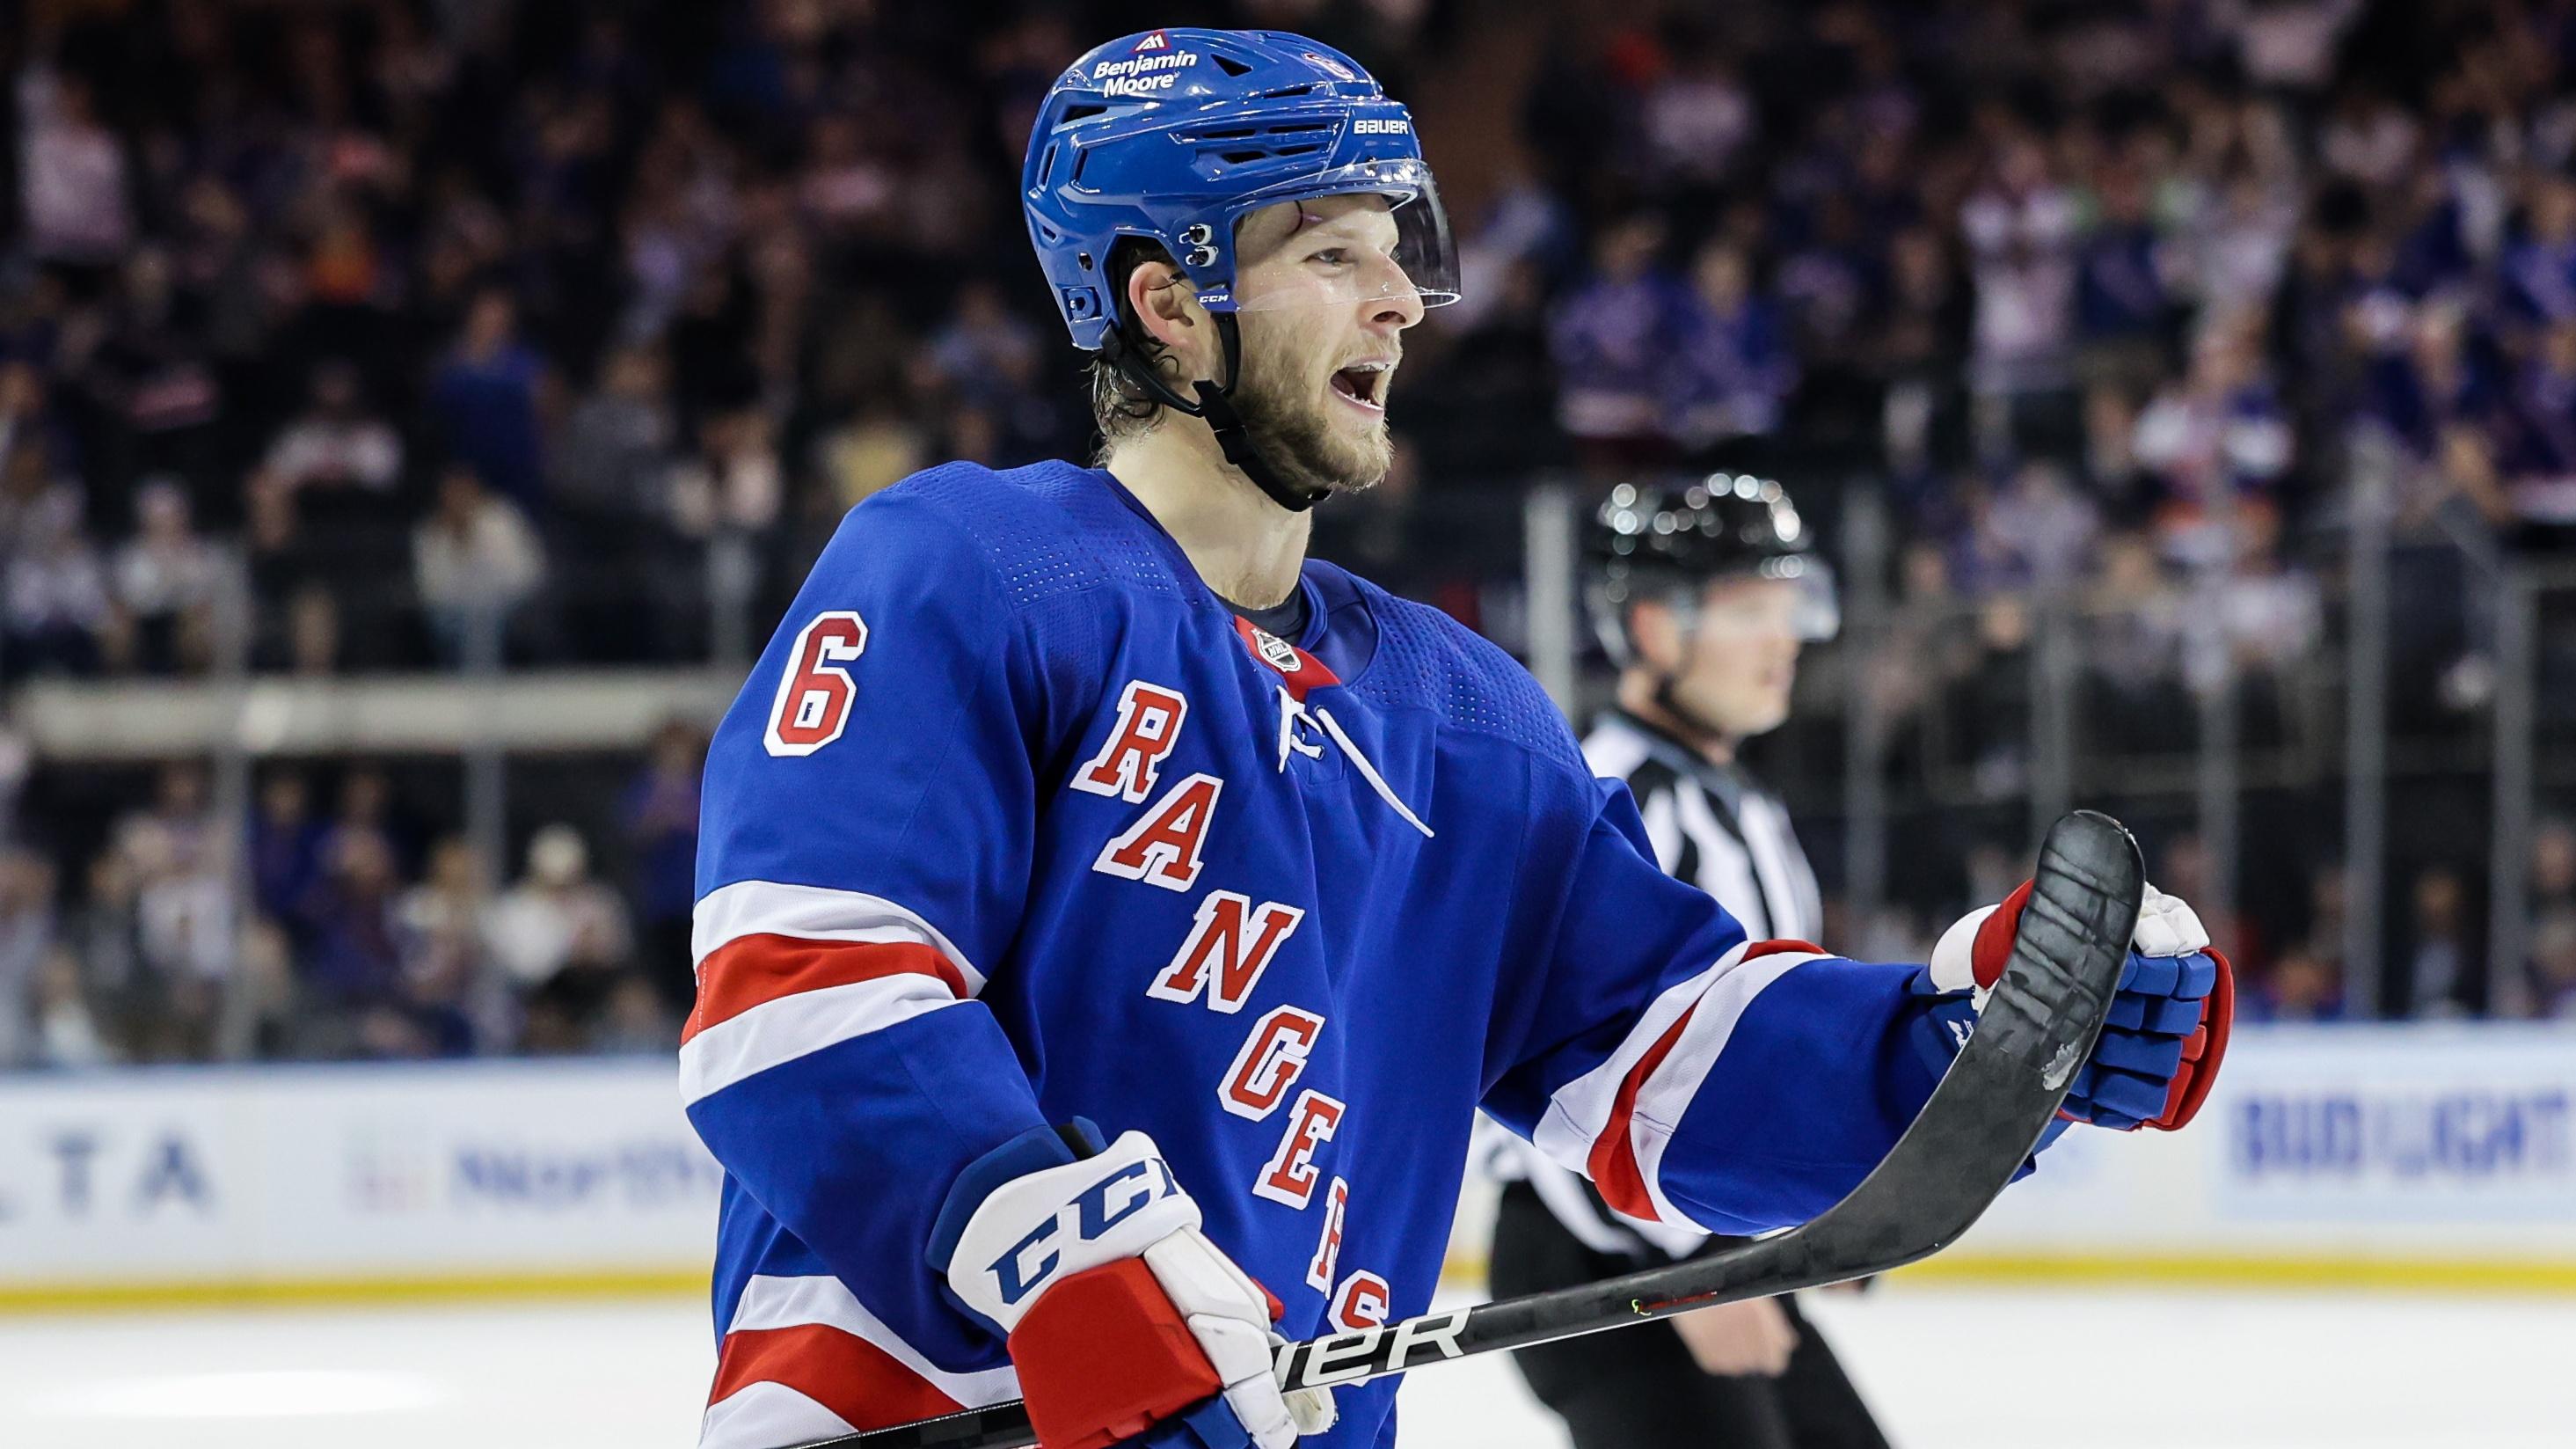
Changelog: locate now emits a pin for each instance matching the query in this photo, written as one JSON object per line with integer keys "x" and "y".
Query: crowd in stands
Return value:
{"x": 349, "y": 924}
{"x": 391, "y": 334}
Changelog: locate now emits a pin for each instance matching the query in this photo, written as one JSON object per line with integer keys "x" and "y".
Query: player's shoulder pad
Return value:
{"x": 1425, "y": 659}
{"x": 1044, "y": 531}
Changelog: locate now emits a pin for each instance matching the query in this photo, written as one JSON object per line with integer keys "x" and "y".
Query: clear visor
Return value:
{"x": 1374, "y": 231}
{"x": 1789, "y": 596}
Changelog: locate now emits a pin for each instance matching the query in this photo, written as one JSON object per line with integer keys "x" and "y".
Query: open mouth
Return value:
{"x": 1363, "y": 385}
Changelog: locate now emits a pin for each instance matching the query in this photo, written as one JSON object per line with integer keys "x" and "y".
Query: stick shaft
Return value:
{"x": 1965, "y": 1145}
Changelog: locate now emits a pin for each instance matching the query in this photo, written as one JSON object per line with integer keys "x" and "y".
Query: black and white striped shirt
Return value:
{"x": 1713, "y": 826}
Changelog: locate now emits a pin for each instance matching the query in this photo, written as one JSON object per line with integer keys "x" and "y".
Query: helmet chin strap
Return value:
{"x": 1215, "y": 407}
{"x": 1667, "y": 700}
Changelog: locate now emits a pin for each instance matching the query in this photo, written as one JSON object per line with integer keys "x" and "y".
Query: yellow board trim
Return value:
{"x": 2228, "y": 1270}
{"x": 2211, "y": 1270}
{"x": 256, "y": 1292}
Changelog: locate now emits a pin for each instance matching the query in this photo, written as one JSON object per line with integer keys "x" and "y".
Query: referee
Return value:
{"x": 1704, "y": 592}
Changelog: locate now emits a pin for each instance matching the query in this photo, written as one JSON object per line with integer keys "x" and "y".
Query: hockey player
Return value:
{"x": 1704, "y": 591}
{"x": 1109, "y": 920}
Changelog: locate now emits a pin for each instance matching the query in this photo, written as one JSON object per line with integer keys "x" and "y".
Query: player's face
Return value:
{"x": 1743, "y": 656}
{"x": 1324, "y": 308}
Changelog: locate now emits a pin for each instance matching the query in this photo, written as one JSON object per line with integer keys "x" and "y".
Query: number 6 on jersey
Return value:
{"x": 814, "y": 696}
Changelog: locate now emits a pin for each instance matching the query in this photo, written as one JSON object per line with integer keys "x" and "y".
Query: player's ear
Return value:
{"x": 1166, "y": 306}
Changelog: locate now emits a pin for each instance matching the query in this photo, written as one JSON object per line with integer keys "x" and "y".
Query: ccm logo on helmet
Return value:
{"x": 1381, "y": 128}
{"x": 1093, "y": 1212}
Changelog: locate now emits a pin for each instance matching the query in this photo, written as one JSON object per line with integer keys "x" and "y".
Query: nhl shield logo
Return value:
{"x": 1277, "y": 652}
{"x": 1297, "y": 669}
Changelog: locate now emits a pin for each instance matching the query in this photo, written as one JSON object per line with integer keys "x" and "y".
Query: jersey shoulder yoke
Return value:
{"x": 1426, "y": 659}
{"x": 1047, "y": 530}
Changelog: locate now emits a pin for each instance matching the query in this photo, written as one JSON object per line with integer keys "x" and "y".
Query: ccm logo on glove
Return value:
{"x": 1122, "y": 1318}
{"x": 1093, "y": 1212}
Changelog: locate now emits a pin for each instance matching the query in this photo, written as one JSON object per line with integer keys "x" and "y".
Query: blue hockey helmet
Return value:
{"x": 1174, "y": 136}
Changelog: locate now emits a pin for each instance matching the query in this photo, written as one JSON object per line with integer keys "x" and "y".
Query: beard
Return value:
{"x": 1289, "y": 423}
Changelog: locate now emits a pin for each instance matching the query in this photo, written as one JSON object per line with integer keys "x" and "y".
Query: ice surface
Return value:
{"x": 1947, "y": 1369}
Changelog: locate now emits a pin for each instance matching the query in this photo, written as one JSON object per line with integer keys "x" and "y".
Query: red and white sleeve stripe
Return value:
{"x": 785, "y": 970}
{"x": 803, "y": 1359}
{"x": 1613, "y": 1122}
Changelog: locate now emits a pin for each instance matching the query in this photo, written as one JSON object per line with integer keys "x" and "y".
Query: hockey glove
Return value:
{"x": 2158, "y": 1055}
{"x": 1123, "y": 1319}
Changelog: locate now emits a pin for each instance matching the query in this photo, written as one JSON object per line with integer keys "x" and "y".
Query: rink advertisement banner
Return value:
{"x": 2433, "y": 1154}
{"x": 351, "y": 1176}
{"x": 2446, "y": 1148}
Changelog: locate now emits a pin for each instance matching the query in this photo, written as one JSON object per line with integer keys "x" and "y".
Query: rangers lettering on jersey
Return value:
{"x": 1221, "y": 945}
{"x": 1149, "y": 725}
{"x": 1272, "y": 1058}
{"x": 1163, "y": 846}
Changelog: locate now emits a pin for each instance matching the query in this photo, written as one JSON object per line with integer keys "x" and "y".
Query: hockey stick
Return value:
{"x": 1974, "y": 1133}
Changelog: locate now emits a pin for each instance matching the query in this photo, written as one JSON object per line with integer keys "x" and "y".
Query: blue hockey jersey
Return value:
{"x": 1017, "y": 821}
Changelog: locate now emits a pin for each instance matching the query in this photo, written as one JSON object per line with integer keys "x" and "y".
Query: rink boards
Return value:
{"x": 2435, "y": 1156}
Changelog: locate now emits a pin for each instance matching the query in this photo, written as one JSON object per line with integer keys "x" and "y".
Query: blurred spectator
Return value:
{"x": 983, "y": 346}
{"x": 443, "y": 934}
{"x": 2437, "y": 973}
{"x": 2122, "y": 296}
{"x": 616, "y": 444}
{"x": 286, "y": 842}
{"x": 72, "y": 185}
{"x": 313, "y": 632}
{"x": 1611, "y": 339}
{"x": 2553, "y": 965}
{"x": 106, "y": 936}
{"x": 2298, "y": 986}
{"x": 337, "y": 442}
{"x": 27, "y": 933}
{"x": 488, "y": 396}
{"x": 2184, "y": 870}
{"x": 150, "y": 375}
{"x": 365, "y": 805}
{"x": 2553, "y": 863}
{"x": 2220, "y": 430}
{"x": 731, "y": 483}
{"x": 66, "y": 1032}
{"x": 2239, "y": 244}
{"x": 877, "y": 447}
{"x": 2538, "y": 269}
{"x": 350, "y": 959}
{"x": 165, "y": 582}
{"x": 183, "y": 911}
{"x": 2036, "y": 532}
{"x": 2287, "y": 44}
{"x": 475, "y": 560}
{"x": 2539, "y": 442}
{"x": 636, "y": 1022}
{"x": 2273, "y": 615}
{"x": 53, "y": 592}
{"x": 2020, "y": 227}
{"x": 1698, "y": 116}
{"x": 1730, "y": 370}
{"x": 558, "y": 920}
{"x": 660, "y": 814}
